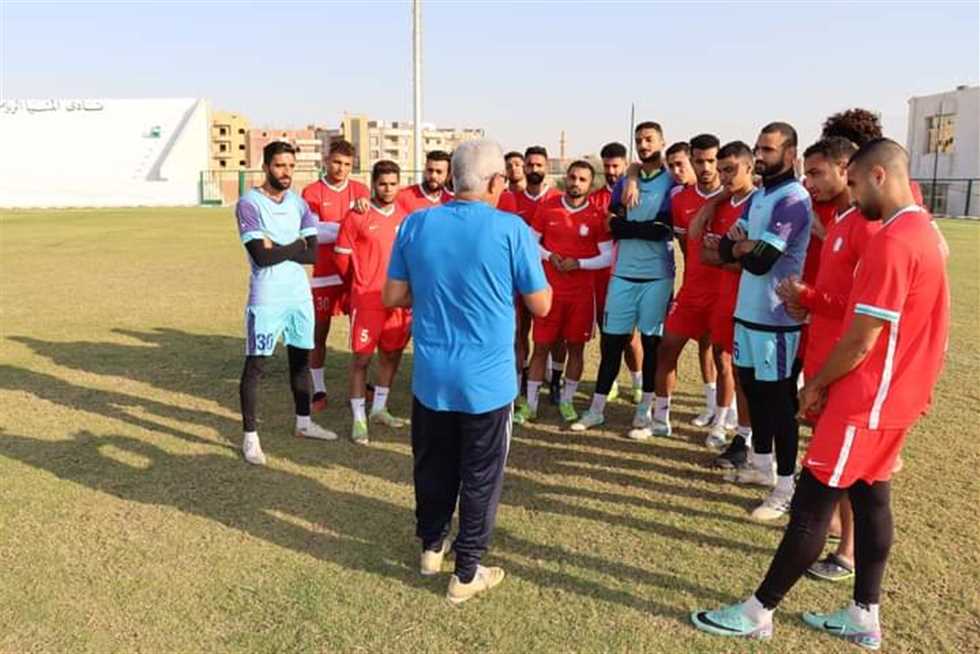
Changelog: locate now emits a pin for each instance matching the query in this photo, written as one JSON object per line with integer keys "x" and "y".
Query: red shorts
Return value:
{"x": 689, "y": 316}
{"x": 601, "y": 281}
{"x": 329, "y": 301}
{"x": 384, "y": 329}
{"x": 570, "y": 319}
{"x": 841, "y": 454}
{"x": 722, "y": 325}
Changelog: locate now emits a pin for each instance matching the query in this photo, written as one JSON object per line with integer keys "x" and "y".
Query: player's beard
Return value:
{"x": 534, "y": 178}
{"x": 652, "y": 158}
{"x": 431, "y": 187}
{"x": 574, "y": 193}
{"x": 281, "y": 184}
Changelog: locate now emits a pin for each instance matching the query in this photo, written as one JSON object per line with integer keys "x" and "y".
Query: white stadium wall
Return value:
{"x": 102, "y": 153}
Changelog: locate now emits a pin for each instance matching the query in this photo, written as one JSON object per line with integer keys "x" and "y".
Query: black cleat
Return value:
{"x": 735, "y": 456}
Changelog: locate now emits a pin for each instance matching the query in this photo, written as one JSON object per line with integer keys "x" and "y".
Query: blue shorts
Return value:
{"x": 770, "y": 354}
{"x": 264, "y": 324}
{"x": 637, "y": 305}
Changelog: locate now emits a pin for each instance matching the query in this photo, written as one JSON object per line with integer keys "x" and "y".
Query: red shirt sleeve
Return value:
{"x": 823, "y": 303}
{"x": 537, "y": 220}
{"x": 344, "y": 247}
{"x": 507, "y": 202}
{"x": 881, "y": 284}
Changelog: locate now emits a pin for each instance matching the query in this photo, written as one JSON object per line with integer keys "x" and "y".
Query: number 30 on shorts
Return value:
{"x": 264, "y": 342}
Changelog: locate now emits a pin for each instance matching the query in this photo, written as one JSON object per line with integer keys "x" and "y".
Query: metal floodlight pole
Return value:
{"x": 417, "y": 86}
{"x": 935, "y": 157}
{"x": 629, "y": 135}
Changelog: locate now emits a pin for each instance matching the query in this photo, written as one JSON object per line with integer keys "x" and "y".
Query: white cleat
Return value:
{"x": 587, "y": 421}
{"x": 642, "y": 417}
{"x": 717, "y": 438}
{"x": 639, "y": 434}
{"x": 753, "y": 476}
{"x": 252, "y": 449}
{"x": 775, "y": 506}
{"x": 316, "y": 432}
{"x": 703, "y": 419}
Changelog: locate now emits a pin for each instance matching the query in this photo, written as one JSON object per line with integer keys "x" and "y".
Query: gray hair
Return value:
{"x": 474, "y": 163}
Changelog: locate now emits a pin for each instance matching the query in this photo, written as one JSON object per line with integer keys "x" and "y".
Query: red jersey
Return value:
{"x": 412, "y": 198}
{"x": 331, "y": 203}
{"x": 824, "y": 212}
{"x": 364, "y": 247}
{"x": 699, "y": 282}
{"x": 726, "y": 215}
{"x": 601, "y": 198}
{"x": 526, "y": 204}
{"x": 570, "y": 232}
{"x": 847, "y": 238}
{"x": 902, "y": 280}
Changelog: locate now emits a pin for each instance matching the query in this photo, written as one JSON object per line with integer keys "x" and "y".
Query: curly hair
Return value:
{"x": 856, "y": 125}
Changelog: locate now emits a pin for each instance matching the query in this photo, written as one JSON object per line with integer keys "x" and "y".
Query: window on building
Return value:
{"x": 222, "y": 147}
{"x": 265, "y": 133}
{"x": 241, "y": 146}
{"x": 223, "y": 131}
{"x": 222, "y": 163}
{"x": 941, "y": 128}
{"x": 241, "y": 130}
{"x": 241, "y": 162}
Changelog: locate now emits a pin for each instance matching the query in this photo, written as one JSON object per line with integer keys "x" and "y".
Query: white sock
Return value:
{"x": 380, "y": 400}
{"x": 598, "y": 404}
{"x": 710, "y": 397}
{"x": 567, "y": 393}
{"x": 302, "y": 423}
{"x": 357, "y": 408}
{"x": 661, "y": 409}
{"x": 252, "y": 435}
{"x": 865, "y": 615}
{"x": 318, "y": 385}
{"x": 646, "y": 401}
{"x": 549, "y": 362}
{"x": 756, "y": 612}
{"x": 637, "y": 378}
{"x": 785, "y": 485}
{"x": 762, "y": 462}
{"x": 746, "y": 433}
{"x": 532, "y": 395}
{"x": 721, "y": 415}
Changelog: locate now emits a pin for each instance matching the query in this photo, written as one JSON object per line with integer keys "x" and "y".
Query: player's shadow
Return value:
{"x": 299, "y": 513}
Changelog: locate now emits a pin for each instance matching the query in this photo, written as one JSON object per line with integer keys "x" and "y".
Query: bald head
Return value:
{"x": 878, "y": 176}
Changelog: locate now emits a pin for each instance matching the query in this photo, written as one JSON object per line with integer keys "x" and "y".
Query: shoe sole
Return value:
{"x": 857, "y": 639}
{"x": 456, "y": 601}
{"x": 316, "y": 438}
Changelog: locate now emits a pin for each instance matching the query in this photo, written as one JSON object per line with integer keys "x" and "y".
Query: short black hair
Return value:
{"x": 341, "y": 147}
{"x": 613, "y": 150}
{"x": 705, "y": 142}
{"x": 276, "y": 147}
{"x": 649, "y": 124}
{"x": 582, "y": 163}
{"x": 834, "y": 148}
{"x": 881, "y": 151}
{"x": 680, "y": 146}
{"x": 787, "y": 130}
{"x": 384, "y": 167}
{"x": 856, "y": 125}
{"x": 512, "y": 154}
{"x": 439, "y": 155}
{"x": 737, "y": 149}
{"x": 536, "y": 149}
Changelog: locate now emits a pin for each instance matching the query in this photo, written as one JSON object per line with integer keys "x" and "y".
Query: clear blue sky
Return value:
{"x": 522, "y": 70}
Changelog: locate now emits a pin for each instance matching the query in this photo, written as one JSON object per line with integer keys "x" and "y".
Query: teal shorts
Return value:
{"x": 637, "y": 305}
{"x": 265, "y": 323}
{"x": 770, "y": 354}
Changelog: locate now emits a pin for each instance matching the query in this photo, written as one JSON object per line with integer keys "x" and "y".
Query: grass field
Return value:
{"x": 129, "y": 523}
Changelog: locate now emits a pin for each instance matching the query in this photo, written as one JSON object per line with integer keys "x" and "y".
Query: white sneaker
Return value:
{"x": 703, "y": 419}
{"x": 717, "y": 438}
{"x": 430, "y": 563}
{"x": 252, "y": 449}
{"x": 587, "y": 421}
{"x": 642, "y": 417}
{"x": 485, "y": 579}
{"x": 775, "y": 506}
{"x": 752, "y": 475}
{"x": 317, "y": 432}
{"x": 640, "y": 434}
{"x": 660, "y": 428}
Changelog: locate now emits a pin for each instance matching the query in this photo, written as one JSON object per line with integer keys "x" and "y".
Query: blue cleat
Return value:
{"x": 841, "y": 624}
{"x": 731, "y": 621}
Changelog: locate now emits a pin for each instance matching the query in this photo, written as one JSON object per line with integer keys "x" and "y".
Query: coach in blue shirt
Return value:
{"x": 460, "y": 266}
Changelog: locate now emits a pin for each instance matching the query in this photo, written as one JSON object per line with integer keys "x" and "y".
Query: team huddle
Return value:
{"x": 838, "y": 277}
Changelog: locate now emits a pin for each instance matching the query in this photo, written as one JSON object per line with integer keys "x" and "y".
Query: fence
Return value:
{"x": 948, "y": 196}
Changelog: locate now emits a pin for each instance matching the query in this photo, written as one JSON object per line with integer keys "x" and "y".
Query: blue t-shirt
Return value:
{"x": 780, "y": 216}
{"x": 282, "y": 222}
{"x": 638, "y": 258}
{"x": 464, "y": 262}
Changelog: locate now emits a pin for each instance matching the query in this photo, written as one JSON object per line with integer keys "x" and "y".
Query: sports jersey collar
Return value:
{"x": 779, "y": 179}
{"x": 610, "y": 187}
{"x": 744, "y": 198}
{"x": 431, "y": 198}
{"x": 646, "y": 177}
{"x": 340, "y": 188}
{"x": 912, "y": 207}
{"x": 386, "y": 212}
{"x": 697, "y": 189}
{"x": 841, "y": 216}
{"x": 572, "y": 209}
{"x": 544, "y": 189}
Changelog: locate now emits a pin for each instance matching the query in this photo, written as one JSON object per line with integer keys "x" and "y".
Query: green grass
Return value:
{"x": 128, "y": 521}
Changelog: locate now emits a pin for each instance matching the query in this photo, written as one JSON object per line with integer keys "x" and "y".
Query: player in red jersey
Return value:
{"x": 875, "y": 384}
{"x": 575, "y": 242}
{"x": 516, "y": 182}
{"x": 679, "y": 164}
{"x": 362, "y": 251}
{"x": 736, "y": 166}
{"x": 431, "y": 191}
{"x": 614, "y": 167}
{"x": 330, "y": 198}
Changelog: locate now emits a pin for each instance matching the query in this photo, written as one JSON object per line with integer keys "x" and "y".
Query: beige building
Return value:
{"x": 229, "y": 141}
{"x": 374, "y": 140}
{"x": 309, "y": 147}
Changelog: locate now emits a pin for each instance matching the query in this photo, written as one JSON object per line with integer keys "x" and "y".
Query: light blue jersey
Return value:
{"x": 780, "y": 216}
{"x": 281, "y": 222}
{"x": 639, "y": 259}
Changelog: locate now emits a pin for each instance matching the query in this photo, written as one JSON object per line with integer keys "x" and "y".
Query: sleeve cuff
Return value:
{"x": 252, "y": 236}
{"x": 774, "y": 241}
{"x": 877, "y": 312}
{"x": 343, "y": 250}
{"x": 307, "y": 231}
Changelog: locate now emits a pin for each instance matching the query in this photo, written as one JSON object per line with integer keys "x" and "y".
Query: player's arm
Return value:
{"x": 710, "y": 254}
{"x": 308, "y": 232}
{"x": 344, "y": 247}
{"x": 631, "y": 189}
{"x": 263, "y": 251}
{"x": 599, "y": 261}
{"x": 791, "y": 217}
{"x": 795, "y": 292}
{"x": 397, "y": 291}
{"x": 528, "y": 274}
{"x": 705, "y": 214}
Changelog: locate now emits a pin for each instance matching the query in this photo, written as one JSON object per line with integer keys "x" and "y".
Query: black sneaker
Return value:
{"x": 554, "y": 389}
{"x": 735, "y": 456}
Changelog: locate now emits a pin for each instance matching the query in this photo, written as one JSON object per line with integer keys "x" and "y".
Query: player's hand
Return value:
{"x": 711, "y": 241}
{"x": 736, "y": 233}
{"x": 812, "y": 400}
{"x": 556, "y": 261}
{"x": 631, "y": 193}
{"x": 267, "y": 243}
{"x": 796, "y": 312}
{"x": 361, "y": 205}
{"x": 569, "y": 264}
{"x": 742, "y": 248}
{"x": 790, "y": 289}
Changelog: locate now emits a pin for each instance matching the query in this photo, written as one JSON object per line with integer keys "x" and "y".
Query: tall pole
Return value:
{"x": 417, "y": 86}
{"x": 935, "y": 157}
{"x": 629, "y": 134}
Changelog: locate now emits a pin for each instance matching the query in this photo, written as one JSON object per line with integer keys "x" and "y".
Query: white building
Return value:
{"x": 102, "y": 153}
{"x": 944, "y": 144}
